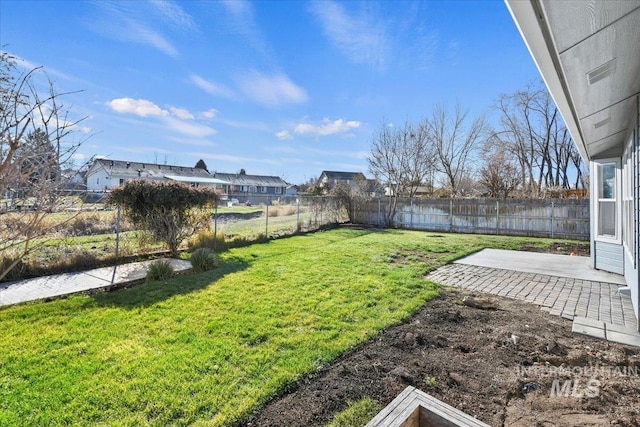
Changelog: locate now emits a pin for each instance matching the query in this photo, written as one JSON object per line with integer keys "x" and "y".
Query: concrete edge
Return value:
{"x": 606, "y": 331}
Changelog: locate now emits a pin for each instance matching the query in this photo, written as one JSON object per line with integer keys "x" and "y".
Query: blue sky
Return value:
{"x": 274, "y": 87}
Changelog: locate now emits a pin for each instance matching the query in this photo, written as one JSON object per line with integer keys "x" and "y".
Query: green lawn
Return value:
{"x": 210, "y": 348}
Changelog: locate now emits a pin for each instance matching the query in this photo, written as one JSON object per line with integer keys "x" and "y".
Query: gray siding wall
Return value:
{"x": 631, "y": 274}
{"x": 609, "y": 257}
{"x": 631, "y": 277}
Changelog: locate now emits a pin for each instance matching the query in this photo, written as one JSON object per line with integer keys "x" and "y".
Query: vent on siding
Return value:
{"x": 602, "y": 123}
{"x": 601, "y": 72}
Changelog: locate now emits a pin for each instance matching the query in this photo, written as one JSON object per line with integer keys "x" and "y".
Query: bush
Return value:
{"x": 289, "y": 210}
{"x": 206, "y": 239}
{"x": 204, "y": 259}
{"x": 159, "y": 270}
{"x": 16, "y": 272}
{"x": 166, "y": 209}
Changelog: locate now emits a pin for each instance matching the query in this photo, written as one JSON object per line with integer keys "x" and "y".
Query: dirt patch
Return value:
{"x": 579, "y": 249}
{"x": 515, "y": 366}
{"x": 231, "y": 217}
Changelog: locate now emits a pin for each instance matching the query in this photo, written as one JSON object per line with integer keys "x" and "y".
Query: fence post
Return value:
{"x": 497, "y": 217}
{"x": 115, "y": 265}
{"x": 379, "y": 211}
{"x": 266, "y": 222}
{"x": 552, "y": 219}
{"x": 450, "y": 215}
{"x": 215, "y": 227}
{"x": 298, "y": 215}
{"x": 411, "y": 217}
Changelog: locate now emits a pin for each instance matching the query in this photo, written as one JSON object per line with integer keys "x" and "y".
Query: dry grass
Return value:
{"x": 288, "y": 210}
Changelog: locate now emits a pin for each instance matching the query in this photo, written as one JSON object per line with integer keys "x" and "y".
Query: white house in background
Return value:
{"x": 588, "y": 53}
{"x": 241, "y": 185}
{"x": 106, "y": 174}
{"x": 329, "y": 179}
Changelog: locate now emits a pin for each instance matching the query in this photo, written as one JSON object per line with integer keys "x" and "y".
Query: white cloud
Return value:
{"x": 211, "y": 87}
{"x": 78, "y": 156}
{"x": 361, "y": 38}
{"x": 181, "y": 113}
{"x": 260, "y": 126}
{"x": 242, "y": 21}
{"x": 284, "y": 135}
{"x": 85, "y": 129}
{"x": 174, "y": 14}
{"x": 43, "y": 72}
{"x": 139, "y": 107}
{"x": 189, "y": 128}
{"x": 327, "y": 127}
{"x": 183, "y": 124}
{"x": 208, "y": 115}
{"x": 272, "y": 91}
{"x": 140, "y": 33}
{"x": 130, "y": 22}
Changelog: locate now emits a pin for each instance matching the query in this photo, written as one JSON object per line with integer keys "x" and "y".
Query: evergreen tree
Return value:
{"x": 201, "y": 165}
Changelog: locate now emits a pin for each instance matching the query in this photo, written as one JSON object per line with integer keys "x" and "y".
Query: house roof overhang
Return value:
{"x": 588, "y": 53}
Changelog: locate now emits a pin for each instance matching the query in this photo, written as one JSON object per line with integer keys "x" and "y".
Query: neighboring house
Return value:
{"x": 240, "y": 185}
{"x": 106, "y": 174}
{"x": 328, "y": 179}
{"x": 588, "y": 53}
{"x": 73, "y": 179}
{"x": 292, "y": 190}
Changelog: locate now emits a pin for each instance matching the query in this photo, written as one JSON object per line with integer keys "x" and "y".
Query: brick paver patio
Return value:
{"x": 561, "y": 296}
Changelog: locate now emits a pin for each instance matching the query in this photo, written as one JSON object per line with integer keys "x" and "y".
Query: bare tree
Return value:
{"x": 401, "y": 159}
{"x": 532, "y": 130}
{"x": 35, "y": 143}
{"x": 351, "y": 197}
{"x": 455, "y": 137}
{"x": 499, "y": 175}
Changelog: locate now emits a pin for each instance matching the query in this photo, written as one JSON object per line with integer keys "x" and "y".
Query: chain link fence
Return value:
{"x": 84, "y": 232}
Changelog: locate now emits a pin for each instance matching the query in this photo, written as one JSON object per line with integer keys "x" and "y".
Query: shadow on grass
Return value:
{"x": 149, "y": 293}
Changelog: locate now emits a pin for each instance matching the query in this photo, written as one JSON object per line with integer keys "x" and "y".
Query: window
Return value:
{"x": 245, "y": 188}
{"x": 97, "y": 181}
{"x": 607, "y": 211}
{"x": 263, "y": 189}
{"x": 278, "y": 190}
{"x": 121, "y": 181}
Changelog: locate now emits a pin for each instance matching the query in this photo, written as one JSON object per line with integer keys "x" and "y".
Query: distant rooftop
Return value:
{"x": 127, "y": 169}
{"x": 251, "y": 180}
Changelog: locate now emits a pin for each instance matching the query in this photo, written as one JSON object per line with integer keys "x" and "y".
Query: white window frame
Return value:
{"x": 278, "y": 190}
{"x": 617, "y": 238}
{"x": 263, "y": 189}
{"x": 628, "y": 203}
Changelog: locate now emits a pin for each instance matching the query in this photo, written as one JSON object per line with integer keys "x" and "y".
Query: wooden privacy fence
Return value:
{"x": 555, "y": 218}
